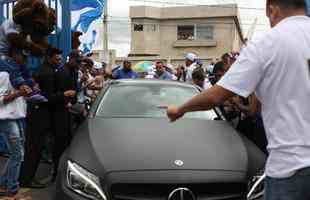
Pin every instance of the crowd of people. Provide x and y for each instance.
(58, 96)
(48, 110)
(23, 35)
(40, 112)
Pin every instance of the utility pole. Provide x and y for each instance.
(65, 36)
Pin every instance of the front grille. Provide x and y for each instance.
(210, 191)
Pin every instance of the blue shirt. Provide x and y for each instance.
(19, 74)
(165, 76)
(122, 74)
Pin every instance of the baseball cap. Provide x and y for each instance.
(190, 56)
(97, 65)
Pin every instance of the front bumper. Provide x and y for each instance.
(64, 193)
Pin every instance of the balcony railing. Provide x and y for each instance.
(195, 43)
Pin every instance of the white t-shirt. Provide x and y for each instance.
(16, 109)
(207, 84)
(189, 72)
(7, 27)
(209, 68)
(276, 67)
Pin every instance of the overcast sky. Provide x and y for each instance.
(119, 25)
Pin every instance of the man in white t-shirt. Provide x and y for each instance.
(276, 67)
(190, 63)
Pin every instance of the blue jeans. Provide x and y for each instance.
(12, 132)
(296, 187)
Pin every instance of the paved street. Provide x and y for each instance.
(44, 194)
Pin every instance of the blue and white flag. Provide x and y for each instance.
(86, 16)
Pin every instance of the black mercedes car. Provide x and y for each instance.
(128, 150)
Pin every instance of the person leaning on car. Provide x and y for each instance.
(271, 67)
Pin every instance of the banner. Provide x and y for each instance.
(86, 17)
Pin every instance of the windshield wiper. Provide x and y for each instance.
(162, 107)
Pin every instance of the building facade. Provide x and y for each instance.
(169, 33)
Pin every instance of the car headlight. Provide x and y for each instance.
(256, 186)
(83, 182)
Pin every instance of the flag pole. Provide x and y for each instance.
(105, 29)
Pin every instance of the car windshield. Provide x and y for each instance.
(147, 101)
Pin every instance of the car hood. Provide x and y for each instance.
(155, 144)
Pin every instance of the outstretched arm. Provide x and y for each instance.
(204, 101)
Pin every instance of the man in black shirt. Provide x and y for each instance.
(66, 80)
(45, 117)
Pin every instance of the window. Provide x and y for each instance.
(138, 27)
(147, 101)
(151, 28)
(186, 32)
(204, 32)
(196, 32)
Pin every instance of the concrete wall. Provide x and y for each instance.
(163, 41)
(223, 38)
(100, 56)
(148, 40)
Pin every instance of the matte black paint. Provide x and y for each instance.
(120, 150)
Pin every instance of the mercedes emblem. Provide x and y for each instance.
(179, 163)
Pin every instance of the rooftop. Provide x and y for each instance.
(184, 12)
